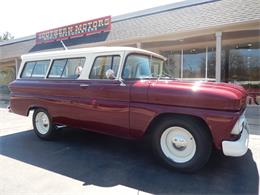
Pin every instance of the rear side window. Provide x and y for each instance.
(67, 68)
(36, 69)
(28, 68)
(57, 68)
(102, 64)
(40, 69)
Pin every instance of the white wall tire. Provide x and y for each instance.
(42, 124)
(182, 143)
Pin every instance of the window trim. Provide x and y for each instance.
(35, 62)
(60, 78)
(64, 67)
(112, 55)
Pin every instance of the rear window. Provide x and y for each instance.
(35, 69)
(67, 68)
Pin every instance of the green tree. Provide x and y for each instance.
(6, 36)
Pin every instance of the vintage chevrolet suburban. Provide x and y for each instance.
(130, 93)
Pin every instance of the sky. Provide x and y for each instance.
(26, 17)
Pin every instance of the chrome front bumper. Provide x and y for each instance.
(238, 147)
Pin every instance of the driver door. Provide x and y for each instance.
(108, 111)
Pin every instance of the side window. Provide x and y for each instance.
(57, 68)
(137, 66)
(66, 68)
(37, 69)
(27, 70)
(156, 67)
(103, 64)
(73, 68)
(40, 69)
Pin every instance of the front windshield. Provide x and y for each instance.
(139, 66)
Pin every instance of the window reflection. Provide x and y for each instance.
(244, 62)
(239, 63)
(211, 69)
(194, 63)
(173, 64)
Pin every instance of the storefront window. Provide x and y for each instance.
(242, 65)
(7, 74)
(244, 62)
(194, 63)
(173, 64)
(239, 63)
(211, 65)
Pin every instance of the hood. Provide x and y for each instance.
(208, 95)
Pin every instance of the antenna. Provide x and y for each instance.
(65, 48)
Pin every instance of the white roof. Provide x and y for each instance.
(84, 51)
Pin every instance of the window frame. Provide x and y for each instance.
(35, 62)
(65, 78)
(112, 55)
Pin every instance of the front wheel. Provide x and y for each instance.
(182, 143)
(42, 124)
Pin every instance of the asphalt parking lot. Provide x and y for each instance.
(79, 162)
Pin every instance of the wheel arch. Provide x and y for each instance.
(162, 116)
(34, 107)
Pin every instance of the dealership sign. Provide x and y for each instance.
(75, 30)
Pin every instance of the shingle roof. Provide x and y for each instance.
(211, 14)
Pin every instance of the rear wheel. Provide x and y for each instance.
(182, 143)
(42, 124)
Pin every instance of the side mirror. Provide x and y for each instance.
(122, 82)
(110, 74)
(78, 70)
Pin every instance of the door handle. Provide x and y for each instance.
(84, 85)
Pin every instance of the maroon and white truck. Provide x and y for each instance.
(130, 93)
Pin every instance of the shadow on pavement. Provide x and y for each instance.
(107, 161)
